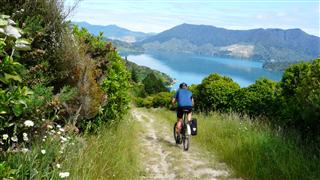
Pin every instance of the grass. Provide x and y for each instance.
(110, 154)
(252, 149)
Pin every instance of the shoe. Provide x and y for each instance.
(178, 139)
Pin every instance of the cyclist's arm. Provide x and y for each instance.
(192, 101)
(173, 101)
(174, 98)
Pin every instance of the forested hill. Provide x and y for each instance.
(269, 45)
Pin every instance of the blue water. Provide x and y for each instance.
(193, 68)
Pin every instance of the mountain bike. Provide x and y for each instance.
(185, 132)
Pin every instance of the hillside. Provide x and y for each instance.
(114, 32)
(143, 71)
(268, 45)
(125, 48)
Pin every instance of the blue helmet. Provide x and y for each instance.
(182, 85)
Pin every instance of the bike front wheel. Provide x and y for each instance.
(186, 142)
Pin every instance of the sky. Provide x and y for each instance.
(159, 15)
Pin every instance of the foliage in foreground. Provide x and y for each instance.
(52, 74)
(109, 154)
(43, 158)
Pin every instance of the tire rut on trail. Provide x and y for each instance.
(163, 159)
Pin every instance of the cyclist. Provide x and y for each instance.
(185, 102)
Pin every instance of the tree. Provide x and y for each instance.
(153, 85)
(134, 75)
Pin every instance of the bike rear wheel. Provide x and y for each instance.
(185, 139)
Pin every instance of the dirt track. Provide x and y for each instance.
(163, 159)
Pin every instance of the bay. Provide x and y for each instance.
(192, 68)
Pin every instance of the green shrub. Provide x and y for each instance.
(162, 99)
(258, 99)
(214, 93)
(116, 85)
(300, 98)
(137, 90)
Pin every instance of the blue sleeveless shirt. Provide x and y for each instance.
(183, 97)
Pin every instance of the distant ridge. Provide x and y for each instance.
(268, 45)
(115, 32)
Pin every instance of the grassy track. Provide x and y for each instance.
(251, 149)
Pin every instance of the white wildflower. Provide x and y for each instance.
(49, 126)
(24, 150)
(43, 140)
(63, 139)
(53, 131)
(25, 138)
(24, 134)
(64, 174)
(11, 22)
(43, 119)
(58, 166)
(43, 151)
(14, 139)
(61, 129)
(12, 32)
(59, 132)
(58, 126)
(5, 136)
(29, 123)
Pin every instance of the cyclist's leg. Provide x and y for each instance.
(179, 125)
(189, 117)
(179, 120)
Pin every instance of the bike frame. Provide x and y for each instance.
(185, 135)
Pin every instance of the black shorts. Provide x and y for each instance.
(182, 109)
